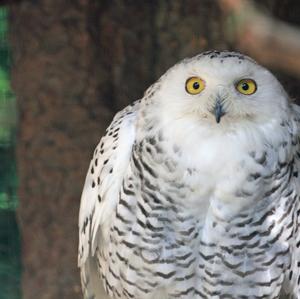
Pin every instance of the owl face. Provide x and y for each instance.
(221, 88)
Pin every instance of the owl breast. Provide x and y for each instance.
(174, 234)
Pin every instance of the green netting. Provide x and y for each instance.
(10, 266)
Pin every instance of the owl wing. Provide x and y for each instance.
(292, 280)
(100, 193)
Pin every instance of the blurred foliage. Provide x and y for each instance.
(7, 99)
(8, 178)
(10, 265)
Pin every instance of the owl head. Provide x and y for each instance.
(221, 88)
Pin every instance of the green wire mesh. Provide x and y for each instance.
(10, 266)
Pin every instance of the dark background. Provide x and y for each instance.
(75, 64)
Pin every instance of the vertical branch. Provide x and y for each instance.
(268, 40)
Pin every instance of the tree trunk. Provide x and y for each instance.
(75, 64)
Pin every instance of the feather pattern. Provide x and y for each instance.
(100, 192)
(177, 206)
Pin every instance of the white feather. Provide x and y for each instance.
(98, 213)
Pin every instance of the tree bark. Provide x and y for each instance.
(75, 64)
(61, 118)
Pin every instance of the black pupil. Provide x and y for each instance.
(196, 85)
(245, 86)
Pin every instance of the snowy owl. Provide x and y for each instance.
(194, 191)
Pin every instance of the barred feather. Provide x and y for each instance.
(178, 206)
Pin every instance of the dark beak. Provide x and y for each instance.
(218, 110)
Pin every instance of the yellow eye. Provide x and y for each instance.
(246, 86)
(194, 85)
